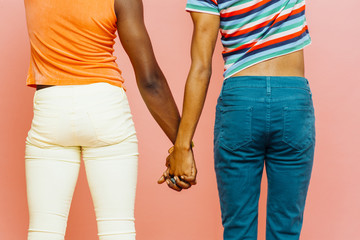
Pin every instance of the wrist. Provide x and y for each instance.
(184, 145)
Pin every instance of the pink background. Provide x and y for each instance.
(332, 61)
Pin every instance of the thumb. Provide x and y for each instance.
(189, 179)
(161, 180)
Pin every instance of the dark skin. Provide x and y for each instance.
(151, 82)
(150, 79)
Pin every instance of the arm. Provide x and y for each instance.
(149, 77)
(206, 27)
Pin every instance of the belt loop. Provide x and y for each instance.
(34, 98)
(222, 88)
(268, 86)
(308, 85)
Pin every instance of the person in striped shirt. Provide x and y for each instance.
(264, 114)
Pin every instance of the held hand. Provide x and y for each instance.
(181, 162)
(181, 169)
(171, 181)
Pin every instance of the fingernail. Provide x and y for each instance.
(167, 181)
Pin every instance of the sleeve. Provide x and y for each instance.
(204, 6)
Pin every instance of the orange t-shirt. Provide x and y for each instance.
(72, 42)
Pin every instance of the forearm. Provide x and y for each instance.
(194, 99)
(151, 81)
(181, 161)
(202, 47)
(161, 104)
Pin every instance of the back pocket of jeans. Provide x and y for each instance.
(299, 127)
(235, 125)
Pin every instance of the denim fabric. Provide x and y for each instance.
(269, 121)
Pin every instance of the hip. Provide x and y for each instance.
(81, 115)
(266, 109)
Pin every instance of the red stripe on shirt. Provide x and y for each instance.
(282, 39)
(245, 10)
(275, 19)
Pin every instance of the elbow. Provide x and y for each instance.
(202, 71)
(152, 82)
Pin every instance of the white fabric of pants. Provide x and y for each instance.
(91, 122)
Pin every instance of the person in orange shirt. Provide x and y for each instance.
(81, 110)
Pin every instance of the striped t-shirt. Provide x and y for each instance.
(256, 30)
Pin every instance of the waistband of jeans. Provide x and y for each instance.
(86, 89)
(267, 81)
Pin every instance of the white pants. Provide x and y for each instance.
(89, 121)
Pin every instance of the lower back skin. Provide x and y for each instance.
(291, 64)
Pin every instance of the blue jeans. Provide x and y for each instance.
(264, 120)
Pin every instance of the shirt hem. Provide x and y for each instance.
(33, 83)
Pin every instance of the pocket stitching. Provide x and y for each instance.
(285, 126)
(225, 109)
(96, 130)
